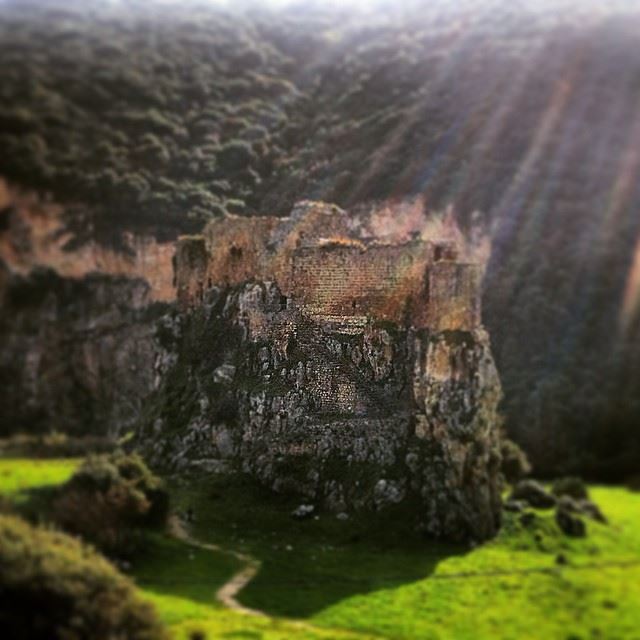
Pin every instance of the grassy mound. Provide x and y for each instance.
(52, 586)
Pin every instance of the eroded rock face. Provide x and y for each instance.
(76, 355)
(351, 416)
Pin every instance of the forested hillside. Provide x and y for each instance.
(152, 118)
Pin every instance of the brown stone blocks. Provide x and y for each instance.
(317, 263)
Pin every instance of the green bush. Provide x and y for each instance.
(54, 587)
(515, 464)
(110, 500)
(570, 486)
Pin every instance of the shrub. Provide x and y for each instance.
(235, 155)
(533, 493)
(110, 499)
(570, 486)
(515, 464)
(54, 587)
(6, 506)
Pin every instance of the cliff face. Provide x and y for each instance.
(33, 234)
(347, 412)
(76, 355)
(77, 327)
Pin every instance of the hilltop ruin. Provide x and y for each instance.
(329, 271)
(345, 369)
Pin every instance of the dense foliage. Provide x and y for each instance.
(109, 501)
(54, 587)
(515, 465)
(523, 117)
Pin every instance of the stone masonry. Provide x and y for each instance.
(353, 373)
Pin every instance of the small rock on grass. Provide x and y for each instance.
(515, 506)
(527, 519)
(582, 507)
(571, 486)
(303, 512)
(592, 510)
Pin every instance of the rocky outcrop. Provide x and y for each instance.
(77, 322)
(76, 355)
(350, 414)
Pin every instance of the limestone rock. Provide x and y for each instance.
(303, 512)
(80, 355)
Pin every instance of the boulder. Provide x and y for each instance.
(303, 512)
(581, 507)
(570, 523)
(534, 494)
(591, 509)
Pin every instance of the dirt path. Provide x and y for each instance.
(227, 593)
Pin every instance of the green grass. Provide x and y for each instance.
(180, 579)
(387, 581)
(513, 587)
(184, 578)
(306, 565)
(20, 476)
(360, 579)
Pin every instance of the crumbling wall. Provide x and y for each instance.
(313, 259)
(190, 270)
(453, 297)
(381, 281)
(240, 249)
(311, 222)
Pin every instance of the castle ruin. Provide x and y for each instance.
(327, 271)
(349, 370)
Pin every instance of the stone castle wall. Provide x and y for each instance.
(453, 299)
(315, 263)
(383, 281)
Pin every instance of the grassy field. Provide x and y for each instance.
(361, 579)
